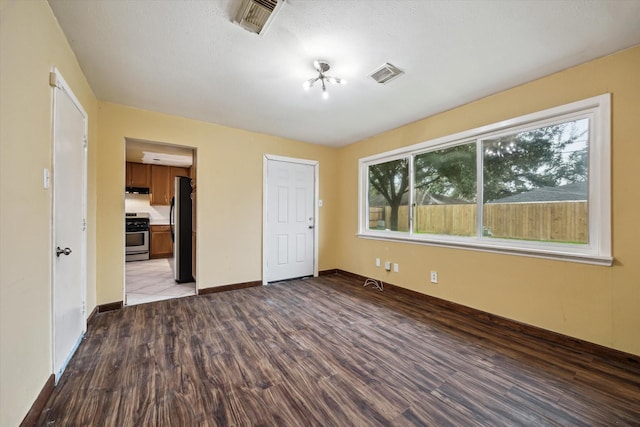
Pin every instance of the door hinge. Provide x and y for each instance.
(84, 225)
(85, 143)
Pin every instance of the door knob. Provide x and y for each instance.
(311, 226)
(65, 251)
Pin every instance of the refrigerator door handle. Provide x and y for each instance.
(173, 202)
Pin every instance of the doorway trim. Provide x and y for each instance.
(57, 82)
(265, 193)
(163, 148)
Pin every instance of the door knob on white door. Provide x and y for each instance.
(65, 251)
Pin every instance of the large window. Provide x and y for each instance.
(537, 185)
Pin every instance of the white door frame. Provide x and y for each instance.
(194, 165)
(316, 193)
(58, 83)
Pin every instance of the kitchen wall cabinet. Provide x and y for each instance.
(138, 175)
(162, 178)
(160, 188)
(161, 244)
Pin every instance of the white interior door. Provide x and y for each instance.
(290, 219)
(69, 240)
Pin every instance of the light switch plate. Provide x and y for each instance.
(45, 178)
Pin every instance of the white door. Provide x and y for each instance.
(69, 241)
(290, 219)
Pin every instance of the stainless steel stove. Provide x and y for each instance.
(136, 236)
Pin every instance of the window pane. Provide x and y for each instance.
(445, 191)
(536, 184)
(388, 196)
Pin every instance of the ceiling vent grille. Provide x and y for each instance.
(256, 15)
(386, 73)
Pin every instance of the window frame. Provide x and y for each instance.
(366, 191)
(596, 251)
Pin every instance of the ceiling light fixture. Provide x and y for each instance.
(322, 67)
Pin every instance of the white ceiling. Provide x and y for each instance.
(188, 58)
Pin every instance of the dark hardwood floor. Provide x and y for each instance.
(328, 352)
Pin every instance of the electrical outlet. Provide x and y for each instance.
(434, 277)
(396, 268)
(377, 262)
(387, 265)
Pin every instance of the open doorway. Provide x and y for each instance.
(160, 221)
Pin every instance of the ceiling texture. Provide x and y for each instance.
(191, 59)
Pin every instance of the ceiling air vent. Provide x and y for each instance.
(386, 73)
(256, 15)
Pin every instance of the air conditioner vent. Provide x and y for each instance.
(386, 73)
(256, 15)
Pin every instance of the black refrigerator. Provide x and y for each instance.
(180, 216)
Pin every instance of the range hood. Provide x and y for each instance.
(136, 190)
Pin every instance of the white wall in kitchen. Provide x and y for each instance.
(140, 203)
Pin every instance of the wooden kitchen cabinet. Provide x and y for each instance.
(162, 178)
(161, 244)
(138, 175)
(160, 188)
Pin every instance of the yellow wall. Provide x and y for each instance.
(229, 194)
(597, 304)
(31, 43)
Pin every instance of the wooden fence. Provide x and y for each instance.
(543, 221)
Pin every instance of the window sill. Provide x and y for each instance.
(495, 247)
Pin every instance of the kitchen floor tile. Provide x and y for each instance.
(152, 280)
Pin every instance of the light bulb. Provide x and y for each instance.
(306, 85)
(325, 94)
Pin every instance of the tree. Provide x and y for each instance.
(533, 159)
(543, 157)
(391, 181)
(449, 172)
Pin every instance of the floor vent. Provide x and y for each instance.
(386, 73)
(256, 15)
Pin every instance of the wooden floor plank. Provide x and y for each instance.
(329, 352)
